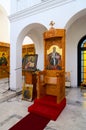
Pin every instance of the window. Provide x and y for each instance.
(82, 60)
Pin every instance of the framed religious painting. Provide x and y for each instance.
(29, 62)
(27, 92)
(54, 54)
(54, 49)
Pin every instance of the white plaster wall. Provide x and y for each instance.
(6, 5)
(4, 21)
(18, 5)
(4, 28)
(61, 14)
(74, 34)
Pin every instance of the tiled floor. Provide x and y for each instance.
(73, 117)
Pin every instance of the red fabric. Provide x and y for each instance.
(47, 107)
(41, 112)
(31, 122)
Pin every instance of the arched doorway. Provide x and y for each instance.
(35, 32)
(82, 60)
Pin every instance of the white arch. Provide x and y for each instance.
(76, 16)
(75, 29)
(35, 32)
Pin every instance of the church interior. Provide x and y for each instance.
(43, 65)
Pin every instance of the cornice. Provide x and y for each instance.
(38, 8)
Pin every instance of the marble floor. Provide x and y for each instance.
(73, 117)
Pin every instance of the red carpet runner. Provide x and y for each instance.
(41, 112)
(31, 122)
(47, 107)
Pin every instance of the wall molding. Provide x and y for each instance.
(38, 8)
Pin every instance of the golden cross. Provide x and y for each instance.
(52, 24)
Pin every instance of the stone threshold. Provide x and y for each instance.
(8, 95)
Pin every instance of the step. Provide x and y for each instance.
(46, 110)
